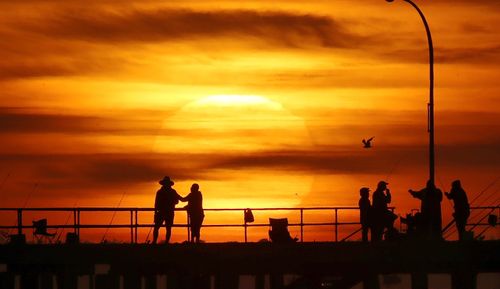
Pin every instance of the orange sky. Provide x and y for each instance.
(263, 104)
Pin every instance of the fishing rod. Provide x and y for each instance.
(485, 189)
(113, 217)
(484, 201)
(27, 200)
(65, 223)
(482, 219)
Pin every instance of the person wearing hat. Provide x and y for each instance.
(381, 197)
(364, 212)
(165, 201)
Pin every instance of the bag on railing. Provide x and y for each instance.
(249, 216)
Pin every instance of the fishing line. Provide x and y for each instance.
(113, 217)
(485, 189)
(65, 223)
(27, 200)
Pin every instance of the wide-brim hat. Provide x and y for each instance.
(166, 181)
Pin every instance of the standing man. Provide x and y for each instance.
(461, 206)
(364, 212)
(381, 197)
(165, 201)
(430, 208)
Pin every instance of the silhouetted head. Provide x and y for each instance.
(364, 192)
(382, 185)
(166, 181)
(456, 184)
(430, 184)
(195, 188)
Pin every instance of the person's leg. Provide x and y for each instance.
(168, 234)
(364, 233)
(196, 233)
(158, 222)
(155, 234)
(460, 222)
(169, 222)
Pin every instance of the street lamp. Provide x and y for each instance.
(430, 105)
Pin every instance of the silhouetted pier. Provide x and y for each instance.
(343, 264)
(219, 265)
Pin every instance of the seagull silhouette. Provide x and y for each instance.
(368, 143)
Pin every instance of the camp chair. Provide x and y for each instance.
(279, 231)
(40, 233)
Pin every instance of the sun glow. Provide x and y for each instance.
(238, 100)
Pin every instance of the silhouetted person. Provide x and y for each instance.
(195, 212)
(461, 206)
(165, 201)
(430, 208)
(364, 212)
(380, 213)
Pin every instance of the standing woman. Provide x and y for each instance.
(195, 212)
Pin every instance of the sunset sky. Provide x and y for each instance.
(263, 103)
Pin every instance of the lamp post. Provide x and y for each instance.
(430, 105)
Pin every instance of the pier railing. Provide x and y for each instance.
(332, 222)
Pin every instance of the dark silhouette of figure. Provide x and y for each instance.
(195, 211)
(165, 201)
(430, 209)
(461, 206)
(367, 143)
(380, 212)
(364, 212)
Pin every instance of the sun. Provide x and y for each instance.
(236, 137)
(232, 123)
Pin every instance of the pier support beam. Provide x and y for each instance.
(464, 280)
(371, 282)
(7, 280)
(109, 281)
(419, 280)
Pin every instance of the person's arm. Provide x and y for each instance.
(416, 194)
(388, 197)
(450, 195)
(184, 199)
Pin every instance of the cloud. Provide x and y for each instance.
(23, 121)
(277, 28)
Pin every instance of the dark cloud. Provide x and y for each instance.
(106, 171)
(23, 121)
(282, 28)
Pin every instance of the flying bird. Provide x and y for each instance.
(367, 143)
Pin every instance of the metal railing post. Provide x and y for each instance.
(19, 221)
(131, 226)
(136, 225)
(245, 226)
(336, 224)
(301, 224)
(188, 231)
(75, 221)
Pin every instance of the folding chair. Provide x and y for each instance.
(40, 233)
(279, 231)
